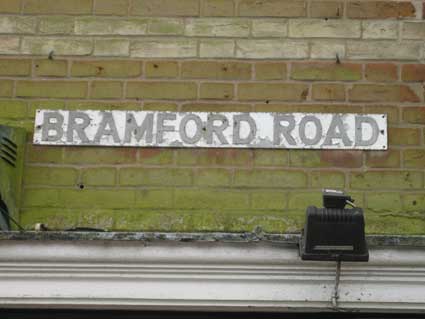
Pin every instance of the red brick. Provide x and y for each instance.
(381, 72)
(380, 9)
(413, 72)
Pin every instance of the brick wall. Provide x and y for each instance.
(216, 55)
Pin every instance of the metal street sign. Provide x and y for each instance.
(202, 129)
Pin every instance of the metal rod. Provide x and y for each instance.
(335, 295)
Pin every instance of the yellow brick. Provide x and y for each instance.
(162, 90)
(10, 6)
(218, 8)
(216, 70)
(272, 91)
(270, 71)
(220, 91)
(111, 7)
(161, 69)
(106, 68)
(56, 89)
(17, 67)
(51, 67)
(165, 7)
(58, 6)
(6, 88)
(106, 90)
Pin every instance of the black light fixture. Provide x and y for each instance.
(334, 232)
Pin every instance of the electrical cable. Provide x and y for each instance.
(7, 216)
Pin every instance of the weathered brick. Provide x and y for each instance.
(380, 9)
(111, 7)
(216, 70)
(327, 179)
(59, 46)
(97, 198)
(217, 27)
(106, 68)
(326, 9)
(10, 6)
(17, 24)
(9, 44)
(383, 159)
(391, 111)
(377, 201)
(98, 176)
(328, 92)
(12, 109)
(56, 89)
(383, 93)
(326, 71)
(44, 104)
(6, 88)
(404, 136)
(322, 28)
(160, 106)
(270, 178)
(155, 177)
(379, 29)
(381, 72)
(221, 91)
(215, 157)
(270, 157)
(414, 158)
(301, 199)
(102, 106)
(272, 91)
(98, 156)
(216, 48)
(378, 50)
(414, 30)
(165, 7)
(327, 49)
(111, 47)
(164, 48)
(41, 197)
(166, 26)
(414, 115)
(213, 177)
(268, 200)
(43, 154)
(161, 69)
(50, 176)
(162, 90)
(58, 6)
(271, 49)
(156, 156)
(413, 72)
(272, 8)
(106, 90)
(413, 202)
(325, 158)
(56, 25)
(270, 71)
(386, 180)
(270, 28)
(110, 26)
(58, 68)
(211, 199)
(15, 67)
(154, 198)
(214, 107)
(218, 8)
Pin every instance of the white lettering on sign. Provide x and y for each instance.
(201, 129)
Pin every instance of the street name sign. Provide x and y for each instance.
(211, 129)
